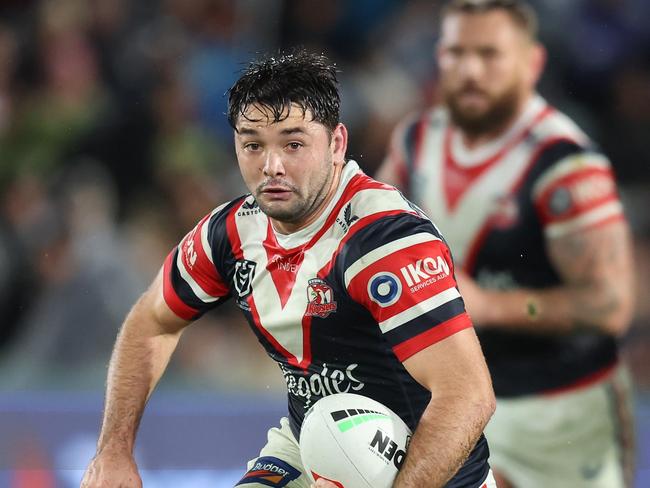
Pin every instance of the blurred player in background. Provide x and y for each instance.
(530, 208)
(321, 259)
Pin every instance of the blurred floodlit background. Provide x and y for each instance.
(113, 143)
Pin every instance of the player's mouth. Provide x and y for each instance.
(276, 192)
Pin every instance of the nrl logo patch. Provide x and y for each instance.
(321, 298)
(243, 280)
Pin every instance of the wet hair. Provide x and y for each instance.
(520, 11)
(274, 83)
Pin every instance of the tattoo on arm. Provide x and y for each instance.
(595, 265)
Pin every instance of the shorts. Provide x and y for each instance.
(279, 464)
(580, 438)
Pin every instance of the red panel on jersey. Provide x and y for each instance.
(198, 265)
(575, 194)
(420, 270)
(436, 334)
(172, 299)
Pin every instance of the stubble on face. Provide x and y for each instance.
(303, 203)
(501, 109)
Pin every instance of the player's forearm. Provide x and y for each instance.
(444, 438)
(140, 356)
(604, 306)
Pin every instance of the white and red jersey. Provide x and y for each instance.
(338, 305)
(497, 205)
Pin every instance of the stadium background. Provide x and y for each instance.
(113, 143)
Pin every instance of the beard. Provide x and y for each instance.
(501, 110)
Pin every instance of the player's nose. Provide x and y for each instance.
(273, 164)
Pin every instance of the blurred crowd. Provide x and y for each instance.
(113, 143)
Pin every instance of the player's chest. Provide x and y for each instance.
(466, 201)
(283, 289)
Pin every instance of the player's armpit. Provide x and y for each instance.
(596, 268)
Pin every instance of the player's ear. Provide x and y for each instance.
(339, 143)
(537, 61)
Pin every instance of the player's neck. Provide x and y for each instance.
(291, 227)
(474, 140)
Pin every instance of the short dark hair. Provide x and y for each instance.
(276, 82)
(519, 10)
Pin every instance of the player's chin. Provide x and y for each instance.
(283, 211)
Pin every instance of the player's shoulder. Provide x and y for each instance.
(383, 212)
(554, 127)
(243, 203)
(428, 119)
(217, 218)
(370, 198)
(558, 141)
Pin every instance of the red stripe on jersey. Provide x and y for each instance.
(233, 234)
(198, 265)
(399, 263)
(359, 182)
(585, 381)
(458, 179)
(283, 264)
(479, 239)
(584, 190)
(429, 337)
(172, 299)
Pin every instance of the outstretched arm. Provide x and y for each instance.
(144, 345)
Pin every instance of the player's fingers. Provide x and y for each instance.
(321, 483)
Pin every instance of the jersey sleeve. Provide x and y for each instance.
(407, 283)
(191, 283)
(576, 193)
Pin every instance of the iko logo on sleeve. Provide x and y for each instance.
(424, 272)
(384, 288)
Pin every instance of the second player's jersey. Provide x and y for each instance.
(338, 305)
(497, 206)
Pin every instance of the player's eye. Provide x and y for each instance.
(252, 146)
(489, 53)
(294, 146)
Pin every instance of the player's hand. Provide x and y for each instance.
(476, 298)
(111, 469)
(321, 483)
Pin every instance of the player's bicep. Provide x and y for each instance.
(453, 366)
(597, 255)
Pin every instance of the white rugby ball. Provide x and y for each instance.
(354, 441)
